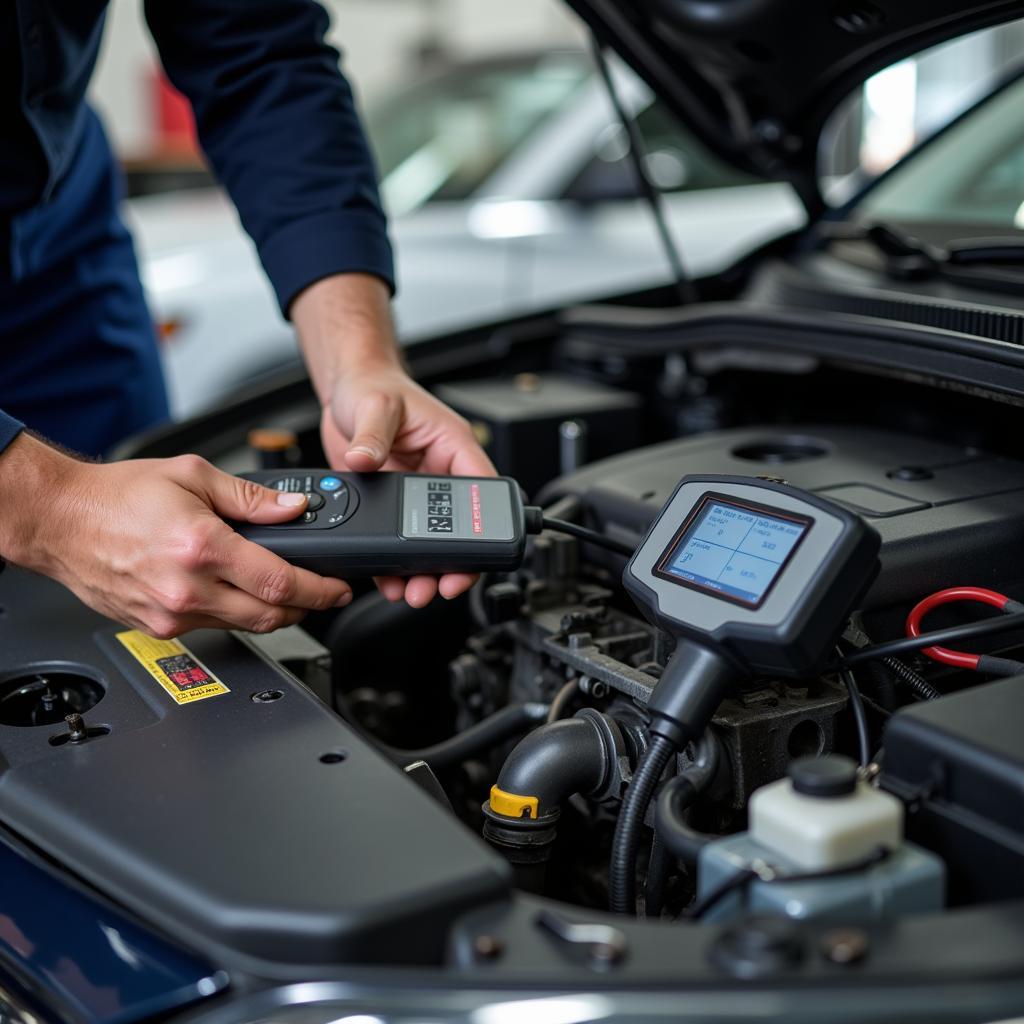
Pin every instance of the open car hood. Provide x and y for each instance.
(757, 79)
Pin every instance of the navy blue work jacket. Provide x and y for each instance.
(275, 117)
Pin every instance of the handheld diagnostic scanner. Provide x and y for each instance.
(754, 578)
(395, 524)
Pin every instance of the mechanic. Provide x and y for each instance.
(143, 542)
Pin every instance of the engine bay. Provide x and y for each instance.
(285, 805)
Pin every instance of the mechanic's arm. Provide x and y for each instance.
(143, 542)
(279, 124)
(374, 414)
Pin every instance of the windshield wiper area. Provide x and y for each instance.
(909, 258)
(985, 250)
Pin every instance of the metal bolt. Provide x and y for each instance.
(605, 954)
(488, 947)
(76, 728)
(845, 945)
(266, 696)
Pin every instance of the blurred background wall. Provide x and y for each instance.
(387, 43)
(383, 42)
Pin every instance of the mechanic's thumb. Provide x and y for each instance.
(245, 501)
(377, 420)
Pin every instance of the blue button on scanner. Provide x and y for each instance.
(330, 483)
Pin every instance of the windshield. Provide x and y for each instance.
(442, 138)
(969, 182)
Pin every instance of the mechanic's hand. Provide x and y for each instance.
(374, 415)
(144, 543)
(381, 419)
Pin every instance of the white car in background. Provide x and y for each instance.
(511, 191)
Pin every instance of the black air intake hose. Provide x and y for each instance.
(573, 755)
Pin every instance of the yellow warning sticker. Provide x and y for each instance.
(182, 675)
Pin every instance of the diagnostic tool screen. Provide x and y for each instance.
(732, 550)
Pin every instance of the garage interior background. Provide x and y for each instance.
(505, 171)
(383, 43)
(387, 43)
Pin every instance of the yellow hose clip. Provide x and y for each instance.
(511, 805)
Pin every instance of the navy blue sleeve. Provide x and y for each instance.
(279, 124)
(10, 428)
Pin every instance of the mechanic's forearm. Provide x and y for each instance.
(34, 482)
(344, 322)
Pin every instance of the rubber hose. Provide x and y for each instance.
(557, 760)
(502, 725)
(683, 842)
(906, 675)
(622, 870)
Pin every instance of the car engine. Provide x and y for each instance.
(327, 795)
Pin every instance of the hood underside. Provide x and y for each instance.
(757, 79)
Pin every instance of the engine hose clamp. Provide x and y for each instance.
(617, 768)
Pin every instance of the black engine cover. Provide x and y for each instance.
(946, 515)
(259, 832)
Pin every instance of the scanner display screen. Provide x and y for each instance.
(731, 550)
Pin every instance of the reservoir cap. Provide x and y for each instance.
(830, 776)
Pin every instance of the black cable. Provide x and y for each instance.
(742, 878)
(905, 674)
(682, 790)
(591, 536)
(860, 716)
(502, 725)
(649, 191)
(622, 870)
(696, 910)
(999, 624)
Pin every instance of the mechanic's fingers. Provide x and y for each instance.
(248, 614)
(272, 580)
(420, 591)
(377, 419)
(471, 460)
(454, 584)
(242, 611)
(392, 587)
(235, 498)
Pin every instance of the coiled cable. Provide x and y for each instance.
(622, 869)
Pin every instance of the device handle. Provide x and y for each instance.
(695, 681)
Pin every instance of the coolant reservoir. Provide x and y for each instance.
(822, 817)
(818, 821)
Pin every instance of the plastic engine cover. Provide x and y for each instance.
(257, 831)
(941, 510)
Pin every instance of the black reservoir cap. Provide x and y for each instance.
(830, 776)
